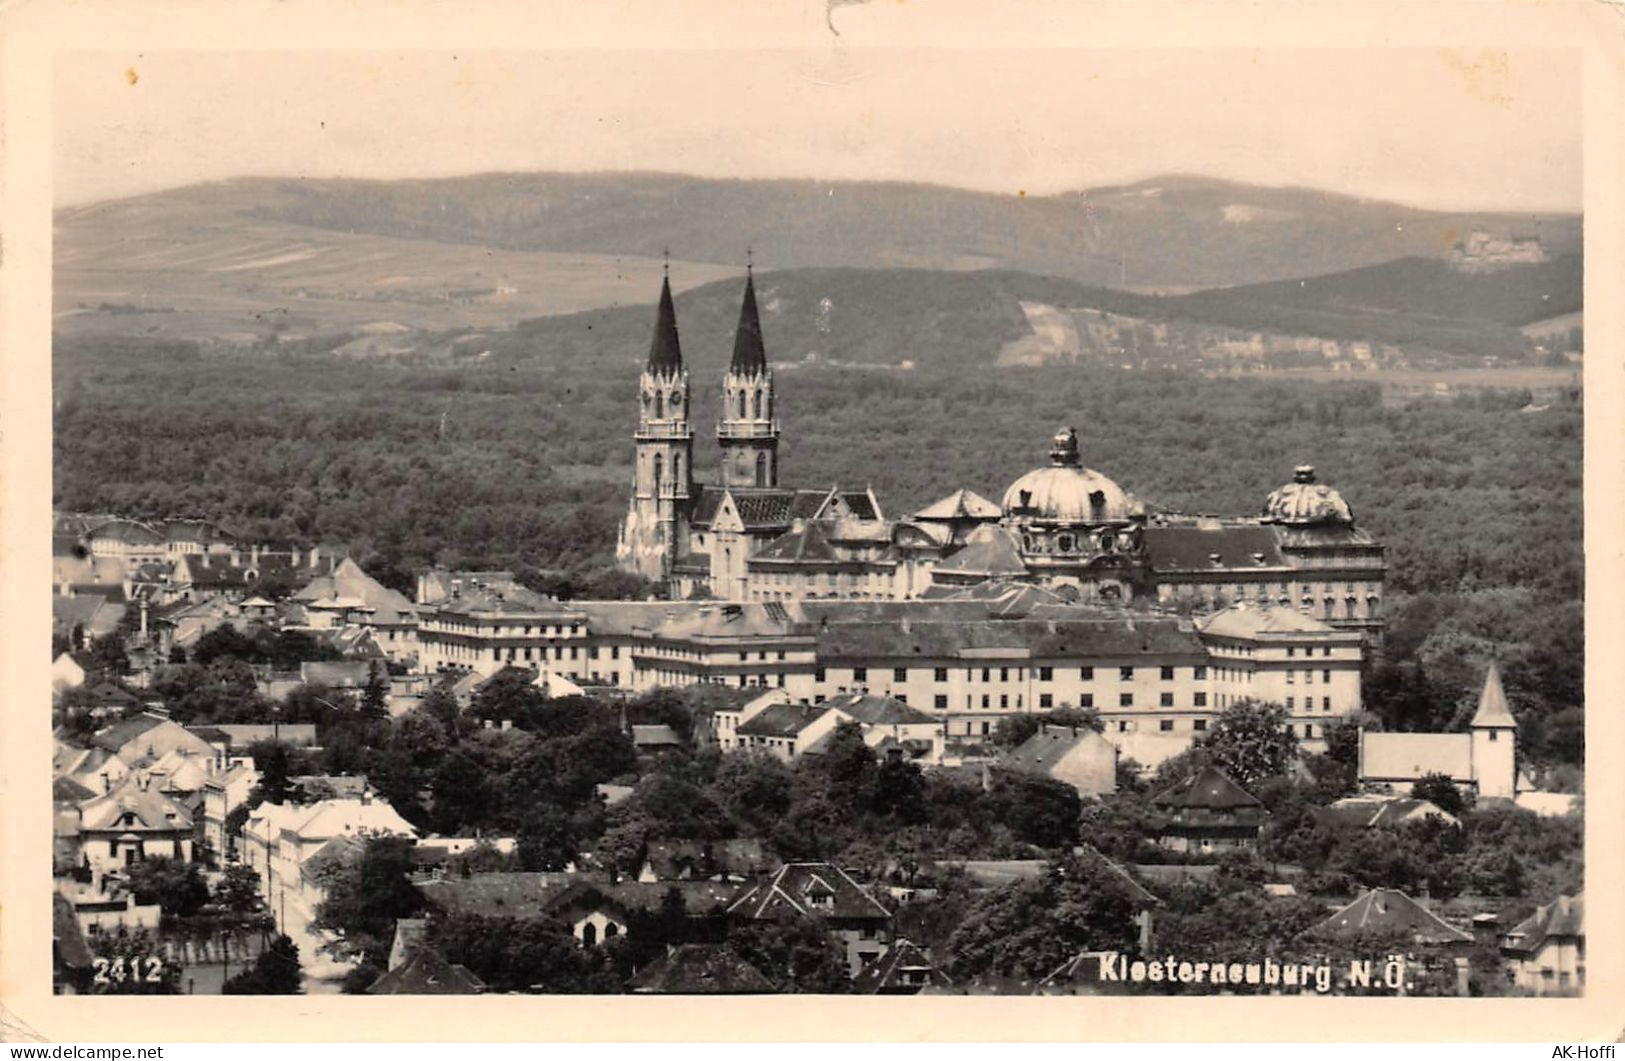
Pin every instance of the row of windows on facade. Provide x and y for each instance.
(445, 627)
(1045, 674)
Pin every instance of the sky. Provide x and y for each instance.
(1425, 127)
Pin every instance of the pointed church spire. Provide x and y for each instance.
(1493, 712)
(665, 354)
(750, 357)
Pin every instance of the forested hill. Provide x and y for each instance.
(965, 319)
(1168, 234)
(1415, 288)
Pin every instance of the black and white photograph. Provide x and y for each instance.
(839, 517)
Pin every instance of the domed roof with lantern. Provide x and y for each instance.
(1067, 492)
(1304, 502)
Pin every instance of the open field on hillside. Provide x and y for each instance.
(176, 271)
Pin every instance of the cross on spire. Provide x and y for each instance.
(749, 258)
(665, 261)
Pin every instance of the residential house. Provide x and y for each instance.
(904, 969)
(1545, 954)
(1073, 755)
(148, 736)
(427, 972)
(1389, 912)
(94, 769)
(223, 792)
(128, 825)
(699, 969)
(827, 893)
(597, 910)
(88, 617)
(1376, 812)
(350, 596)
(1207, 812)
(278, 839)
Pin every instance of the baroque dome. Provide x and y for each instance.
(1304, 501)
(1067, 492)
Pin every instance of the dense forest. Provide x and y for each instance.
(526, 464)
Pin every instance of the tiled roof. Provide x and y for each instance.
(129, 808)
(1388, 910)
(1412, 756)
(760, 509)
(116, 736)
(495, 894)
(349, 582)
(876, 710)
(700, 969)
(1248, 620)
(904, 968)
(1040, 753)
(67, 937)
(813, 889)
(1206, 789)
(1365, 812)
(127, 531)
(960, 505)
(808, 543)
(992, 555)
(92, 611)
(1192, 548)
(1562, 918)
(67, 790)
(705, 500)
(427, 972)
(783, 720)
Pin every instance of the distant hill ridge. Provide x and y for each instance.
(1176, 233)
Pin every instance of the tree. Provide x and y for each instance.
(374, 702)
(1027, 929)
(238, 890)
(1038, 810)
(275, 972)
(1251, 741)
(176, 887)
(529, 954)
(364, 899)
(1441, 792)
(795, 952)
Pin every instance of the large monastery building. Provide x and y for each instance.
(1063, 526)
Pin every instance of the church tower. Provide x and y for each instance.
(663, 475)
(1494, 731)
(747, 432)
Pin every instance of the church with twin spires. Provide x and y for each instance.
(1061, 526)
(698, 537)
